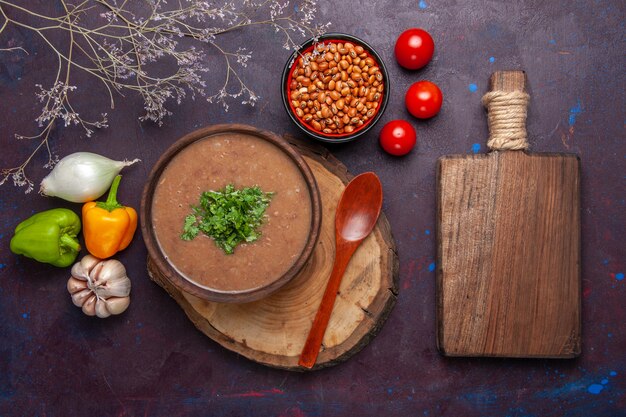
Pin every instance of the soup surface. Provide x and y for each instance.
(244, 161)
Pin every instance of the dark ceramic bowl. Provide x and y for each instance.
(160, 266)
(287, 77)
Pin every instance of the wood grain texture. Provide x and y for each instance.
(356, 216)
(508, 279)
(272, 331)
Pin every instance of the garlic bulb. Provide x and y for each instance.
(82, 177)
(100, 287)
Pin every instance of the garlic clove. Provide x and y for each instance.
(119, 287)
(89, 308)
(74, 285)
(117, 305)
(101, 309)
(82, 269)
(110, 280)
(94, 274)
(79, 272)
(110, 269)
(89, 261)
(81, 297)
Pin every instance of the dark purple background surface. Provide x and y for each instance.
(55, 361)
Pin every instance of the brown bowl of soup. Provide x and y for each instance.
(211, 159)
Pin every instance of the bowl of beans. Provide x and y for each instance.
(335, 88)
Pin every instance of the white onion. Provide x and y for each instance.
(82, 177)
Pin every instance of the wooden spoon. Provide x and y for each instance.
(356, 216)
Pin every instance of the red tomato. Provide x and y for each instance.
(414, 48)
(398, 137)
(423, 99)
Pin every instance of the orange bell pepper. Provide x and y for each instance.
(108, 227)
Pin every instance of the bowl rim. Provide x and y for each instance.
(169, 272)
(292, 60)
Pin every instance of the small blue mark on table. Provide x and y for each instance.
(574, 112)
(595, 388)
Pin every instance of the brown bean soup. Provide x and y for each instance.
(244, 161)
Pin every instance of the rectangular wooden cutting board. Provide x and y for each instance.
(508, 280)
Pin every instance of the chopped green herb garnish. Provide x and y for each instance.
(228, 216)
(190, 229)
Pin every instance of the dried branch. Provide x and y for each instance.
(121, 43)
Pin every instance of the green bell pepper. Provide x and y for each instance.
(49, 237)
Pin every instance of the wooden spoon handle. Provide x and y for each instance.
(320, 323)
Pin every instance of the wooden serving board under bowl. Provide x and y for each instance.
(272, 331)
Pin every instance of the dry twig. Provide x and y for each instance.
(128, 41)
